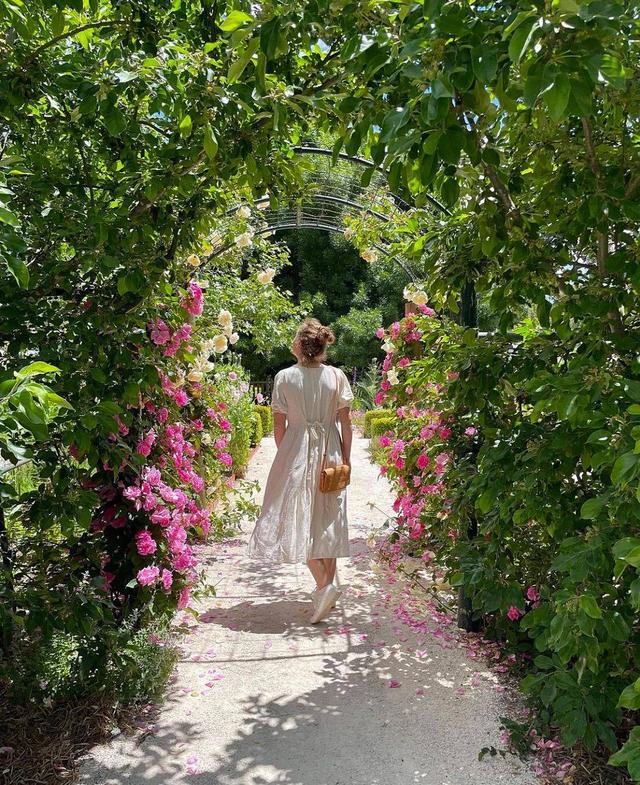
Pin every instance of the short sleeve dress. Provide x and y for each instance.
(297, 521)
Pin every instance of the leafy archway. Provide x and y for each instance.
(126, 127)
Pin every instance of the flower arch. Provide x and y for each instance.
(339, 193)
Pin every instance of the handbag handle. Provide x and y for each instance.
(335, 401)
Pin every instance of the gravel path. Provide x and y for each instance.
(264, 697)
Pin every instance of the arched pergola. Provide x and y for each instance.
(336, 187)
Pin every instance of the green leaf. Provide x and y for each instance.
(114, 120)
(592, 507)
(210, 142)
(485, 64)
(624, 468)
(186, 126)
(629, 754)
(35, 369)
(630, 697)
(557, 97)
(234, 20)
(450, 191)
(7, 217)
(589, 605)
(521, 40)
(237, 68)
(19, 270)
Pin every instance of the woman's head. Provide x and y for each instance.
(311, 341)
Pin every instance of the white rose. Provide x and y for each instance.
(244, 240)
(370, 255)
(233, 338)
(407, 294)
(349, 233)
(388, 346)
(227, 329)
(225, 318)
(193, 260)
(392, 376)
(220, 343)
(243, 212)
(419, 298)
(266, 276)
(264, 205)
(203, 284)
(195, 376)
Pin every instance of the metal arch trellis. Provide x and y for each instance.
(332, 192)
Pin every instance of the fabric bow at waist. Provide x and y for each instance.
(317, 429)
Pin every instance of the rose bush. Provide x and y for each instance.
(515, 464)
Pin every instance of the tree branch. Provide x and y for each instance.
(632, 186)
(503, 194)
(70, 34)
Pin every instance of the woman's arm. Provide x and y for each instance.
(279, 426)
(344, 416)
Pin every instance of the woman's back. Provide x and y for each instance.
(309, 393)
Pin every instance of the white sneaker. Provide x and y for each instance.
(313, 594)
(322, 602)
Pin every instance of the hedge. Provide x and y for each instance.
(374, 414)
(267, 418)
(380, 425)
(256, 436)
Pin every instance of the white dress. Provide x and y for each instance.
(297, 521)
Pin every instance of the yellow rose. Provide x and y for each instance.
(370, 255)
(220, 343)
(419, 298)
(244, 240)
(266, 276)
(225, 319)
(193, 260)
(243, 212)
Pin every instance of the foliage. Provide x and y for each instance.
(257, 434)
(371, 415)
(530, 443)
(380, 425)
(266, 415)
(366, 386)
(231, 381)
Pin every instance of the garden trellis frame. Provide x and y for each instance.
(332, 192)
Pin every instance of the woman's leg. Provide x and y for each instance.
(330, 569)
(319, 572)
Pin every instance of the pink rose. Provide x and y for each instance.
(181, 398)
(513, 613)
(471, 431)
(183, 599)
(533, 594)
(145, 543)
(423, 461)
(167, 579)
(380, 333)
(148, 575)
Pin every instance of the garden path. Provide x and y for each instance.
(261, 696)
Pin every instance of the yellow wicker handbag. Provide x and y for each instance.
(334, 478)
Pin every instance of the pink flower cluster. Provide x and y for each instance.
(161, 335)
(193, 302)
(174, 513)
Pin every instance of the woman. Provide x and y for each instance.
(298, 522)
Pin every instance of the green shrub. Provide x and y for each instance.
(267, 418)
(371, 415)
(257, 434)
(379, 425)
